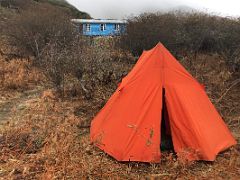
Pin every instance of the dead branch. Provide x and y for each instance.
(228, 89)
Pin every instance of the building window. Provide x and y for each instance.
(117, 27)
(88, 27)
(102, 27)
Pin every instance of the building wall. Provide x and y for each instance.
(95, 29)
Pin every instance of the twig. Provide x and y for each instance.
(36, 44)
(83, 127)
(224, 94)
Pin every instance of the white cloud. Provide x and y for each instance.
(124, 8)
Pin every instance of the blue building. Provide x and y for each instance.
(100, 27)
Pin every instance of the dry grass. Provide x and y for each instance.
(50, 140)
(18, 74)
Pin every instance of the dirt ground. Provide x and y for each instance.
(11, 107)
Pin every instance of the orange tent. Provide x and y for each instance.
(129, 126)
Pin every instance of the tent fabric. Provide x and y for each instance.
(129, 126)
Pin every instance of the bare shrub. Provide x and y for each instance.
(146, 30)
(184, 33)
(32, 29)
(101, 67)
(53, 63)
(46, 36)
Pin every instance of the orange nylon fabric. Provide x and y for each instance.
(128, 126)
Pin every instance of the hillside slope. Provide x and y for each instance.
(75, 12)
(23, 4)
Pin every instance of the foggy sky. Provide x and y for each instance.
(119, 9)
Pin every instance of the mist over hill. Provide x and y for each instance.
(125, 8)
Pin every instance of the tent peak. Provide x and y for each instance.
(159, 46)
